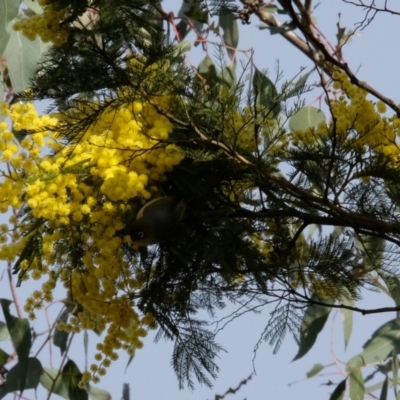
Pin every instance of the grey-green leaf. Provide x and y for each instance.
(338, 393)
(384, 391)
(96, 393)
(71, 377)
(266, 93)
(19, 330)
(307, 117)
(347, 316)
(315, 370)
(60, 338)
(395, 370)
(357, 389)
(231, 33)
(3, 357)
(379, 347)
(22, 57)
(4, 335)
(393, 284)
(125, 392)
(314, 320)
(57, 386)
(8, 11)
(22, 376)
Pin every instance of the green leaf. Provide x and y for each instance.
(395, 370)
(356, 384)
(4, 335)
(393, 284)
(384, 391)
(379, 347)
(22, 57)
(182, 47)
(97, 394)
(3, 357)
(228, 76)
(2, 117)
(314, 320)
(22, 376)
(207, 70)
(183, 29)
(347, 316)
(19, 331)
(60, 338)
(8, 11)
(59, 387)
(338, 393)
(71, 377)
(305, 118)
(314, 370)
(266, 93)
(191, 9)
(125, 392)
(231, 33)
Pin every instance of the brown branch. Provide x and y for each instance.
(307, 300)
(318, 47)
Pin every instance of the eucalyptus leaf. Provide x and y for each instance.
(379, 347)
(96, 393)
(356, 383)
(60, 337)
(3, 357)
(314, 320)
(4, 334)
(19, 331)
(231, 33)
(307, 117)
(22, 376)
(8, 11)
(384, 391)
(266, 94)
(338, 393)
(57, 386)
(315, 370)
(22, 57)
(347, 317)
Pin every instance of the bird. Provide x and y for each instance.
(156, 220)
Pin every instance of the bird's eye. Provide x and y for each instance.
(140, 235)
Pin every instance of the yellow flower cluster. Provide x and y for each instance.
(360, 122)
(76, 202)
(46, 25)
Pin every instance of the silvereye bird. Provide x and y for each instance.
(156, 220)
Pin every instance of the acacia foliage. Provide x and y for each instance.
(130, 121)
